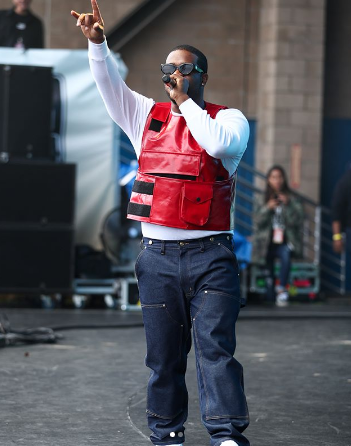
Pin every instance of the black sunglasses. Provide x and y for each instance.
(184, 68)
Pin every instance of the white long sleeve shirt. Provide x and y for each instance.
(224, 137)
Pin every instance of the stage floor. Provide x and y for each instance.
(90, 387)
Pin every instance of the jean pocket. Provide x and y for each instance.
(164, 308)
(138, 260)
(230, 252)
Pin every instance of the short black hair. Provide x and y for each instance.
(201, 58)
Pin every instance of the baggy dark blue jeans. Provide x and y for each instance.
(183, 285)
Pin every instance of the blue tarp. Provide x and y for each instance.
(242, 249)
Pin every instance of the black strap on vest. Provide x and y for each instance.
(174, 175)
(142, 187)
(138, 209)
(141, 210)
(155, 125)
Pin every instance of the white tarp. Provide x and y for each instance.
(88, 136)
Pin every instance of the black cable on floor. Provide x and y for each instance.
(89, 327)
(43, 335)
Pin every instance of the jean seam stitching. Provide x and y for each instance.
(180, 344)
(159, 416)
(138, 259)
(201, 362)
(201, 307)
(242, 382)
(232, 254)
(218, 417)
(163, 305)
(231, 296)
(171, 318)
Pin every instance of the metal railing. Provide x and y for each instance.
(333, 266)
(316, 230)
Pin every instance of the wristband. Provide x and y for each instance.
(337, 237)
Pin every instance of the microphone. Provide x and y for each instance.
(167, 80)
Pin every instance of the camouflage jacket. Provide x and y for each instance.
(263, 217)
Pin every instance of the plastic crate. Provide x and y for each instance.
(303, 279)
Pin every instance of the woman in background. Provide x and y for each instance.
(278, 219)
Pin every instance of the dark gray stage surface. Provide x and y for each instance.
(89, 388)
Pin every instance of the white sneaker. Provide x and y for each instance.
(229, 443)
(282, 300)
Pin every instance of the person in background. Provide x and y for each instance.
(278, 220)
(341, 214)
(20, 28)
(188, 152)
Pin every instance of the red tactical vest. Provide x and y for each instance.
(178, 184)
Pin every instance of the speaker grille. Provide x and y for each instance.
(36, 227)
(25, 111)
(35, 192)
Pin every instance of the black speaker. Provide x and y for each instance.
(37, 192)
(36, 260)
(37, 227)
(25, 112)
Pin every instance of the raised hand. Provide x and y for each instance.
(91, 24)
(272, 204)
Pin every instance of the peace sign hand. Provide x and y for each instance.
(92, 25)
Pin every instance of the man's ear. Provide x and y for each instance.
(204, 79)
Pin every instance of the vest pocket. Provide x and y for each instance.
(196, 203)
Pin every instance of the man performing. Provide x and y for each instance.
(188, 152)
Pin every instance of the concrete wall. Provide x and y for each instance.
(291, 71)
(225, 30)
